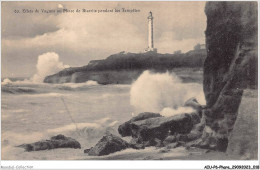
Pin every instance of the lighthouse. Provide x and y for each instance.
(150, 33)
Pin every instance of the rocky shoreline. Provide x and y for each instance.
(151, 129)
(146, 129)
(229, 68)
(187, 145)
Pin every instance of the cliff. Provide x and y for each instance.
(123, 68)
(230, 67)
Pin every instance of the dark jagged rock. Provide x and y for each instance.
(195, 118)
(154, 142)
(138, 146)
(230, 66)
(193, 135)
(199, 127)
(169, 139)
(125, 130)
(161, 127)
(108, 144)
(151, 129)
(87, 150)
(192, 102)
(59, 141)
(135, 145)
(173, 145)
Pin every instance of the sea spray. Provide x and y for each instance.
(153, 92)
(6, 81)
(47, 64)
(167, 111)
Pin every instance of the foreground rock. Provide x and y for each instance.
(230, 66)
(186, 140)
(161, 127)
(151, 129)
(59, 141)
(108, 144)
(170, 139)
(125, 128)
(147, 129)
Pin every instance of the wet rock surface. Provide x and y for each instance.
(148, 129)
(125, 128)
(169, 139)
(59, 141)
(161, 127)
(108, 144)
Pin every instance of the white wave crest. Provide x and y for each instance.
(48, 63)
(171, 112)
(76, 85)
(89, 130)
(153, 92)
(6, 81)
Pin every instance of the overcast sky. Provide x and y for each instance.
(80, 37)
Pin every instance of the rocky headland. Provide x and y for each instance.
(124, 68)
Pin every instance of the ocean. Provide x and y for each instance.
(84, 111)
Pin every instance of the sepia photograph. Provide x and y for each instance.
(129, 80)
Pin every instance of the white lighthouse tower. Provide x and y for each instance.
(150, 33)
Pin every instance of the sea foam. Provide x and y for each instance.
(47, 64)
(161, 92)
